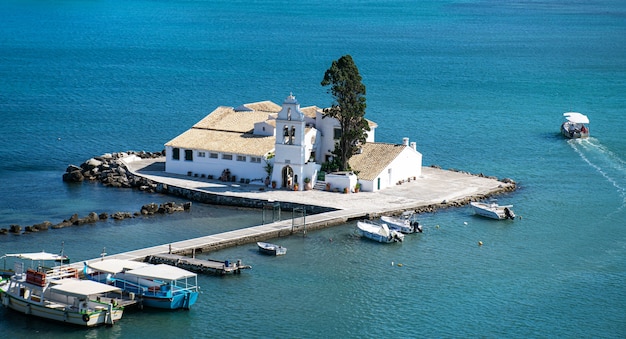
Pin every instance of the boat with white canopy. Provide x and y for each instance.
(158, 286)
(58, 294)
(575, 125)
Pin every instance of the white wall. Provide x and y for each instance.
(209, 166)
(408, 164)
(341, 180)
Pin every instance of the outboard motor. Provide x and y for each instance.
(508, 213)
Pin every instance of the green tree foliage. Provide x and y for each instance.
(348, 107)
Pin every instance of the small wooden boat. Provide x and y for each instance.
(380, 233)
(574, 126)
(58, 294)
(405, 224)
(271, 249)
(493, 210)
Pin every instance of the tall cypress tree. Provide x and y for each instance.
(348, 107)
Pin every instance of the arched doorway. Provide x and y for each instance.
(287, 177)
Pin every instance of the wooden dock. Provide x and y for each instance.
(199, 265)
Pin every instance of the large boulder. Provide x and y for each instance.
(16, 229)
(74, 176)
(43, 226)
(91, 164)
(149, 209)
(121, 215)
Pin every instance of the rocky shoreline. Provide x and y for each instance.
(110, 170)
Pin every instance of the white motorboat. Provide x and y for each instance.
(493, 210)
(158, 286)
(574, 126)
(406, 223)
(271, 249)
(58, 294)
(380, 233)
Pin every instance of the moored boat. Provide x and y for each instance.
(493, 210)
(57, 294)
(157, 286)
(380, 233)
(405, 224)
(271, 249)
(574, 126)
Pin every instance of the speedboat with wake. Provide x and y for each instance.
(574, 126)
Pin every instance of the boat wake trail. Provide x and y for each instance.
(607, 163)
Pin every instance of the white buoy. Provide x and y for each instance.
(465, 223)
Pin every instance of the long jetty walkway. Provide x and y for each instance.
(436, 188)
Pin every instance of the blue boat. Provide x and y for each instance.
(158, 286)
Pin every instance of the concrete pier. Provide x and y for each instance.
(435, 189)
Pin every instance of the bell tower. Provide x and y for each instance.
(289, 145)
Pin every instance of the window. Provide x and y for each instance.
(255, 160)
(287, 137)
(188, 155)
(201, 154)
(337, 133)
(241, 158)
(213, 155)
(176, 153)
(227, 156)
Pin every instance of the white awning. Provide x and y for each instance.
(82, 288)
(162, 272)
(43, 256)
(115, 265)
(577, 118)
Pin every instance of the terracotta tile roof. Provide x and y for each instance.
(227, 119)
(374, 158)
(224, 142)
(310, 111)
(264, 106)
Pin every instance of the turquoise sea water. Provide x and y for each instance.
(479, 85)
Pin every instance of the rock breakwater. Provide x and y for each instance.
(93, 217)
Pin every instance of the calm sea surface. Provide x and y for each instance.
(479, 85)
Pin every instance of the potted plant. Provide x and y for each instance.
(307, 184)
(273, 183)
(357, 188)
(328, 186)
(295, 187)
(345, 190)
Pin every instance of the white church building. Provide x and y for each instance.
(263, 143)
